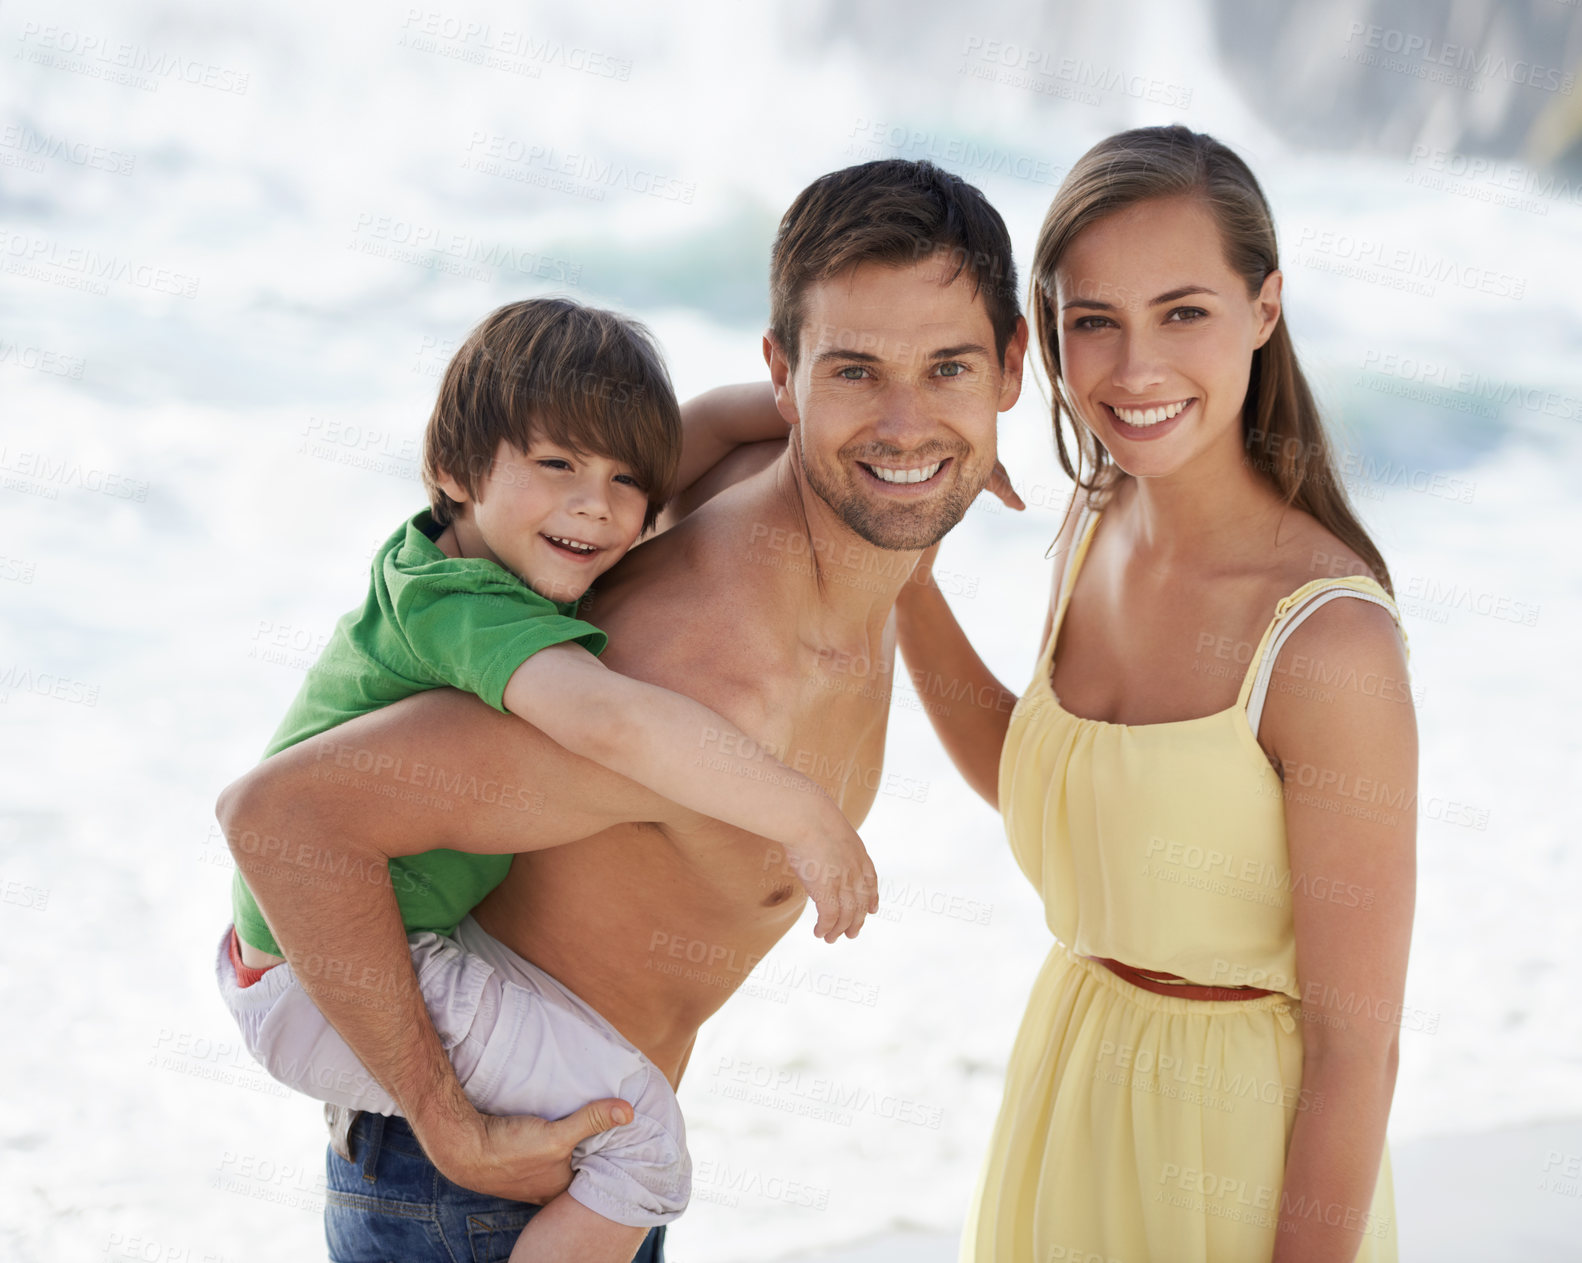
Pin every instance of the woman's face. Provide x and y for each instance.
(1157, 335)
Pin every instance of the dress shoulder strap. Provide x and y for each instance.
(1082, 536)
(1290, 614)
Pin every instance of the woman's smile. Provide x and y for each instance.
(1142, 422)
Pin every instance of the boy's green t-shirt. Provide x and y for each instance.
(430, 621)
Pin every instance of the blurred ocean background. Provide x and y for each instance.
(240, 242)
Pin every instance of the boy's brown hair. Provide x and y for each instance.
(893, 212)
(587, 379)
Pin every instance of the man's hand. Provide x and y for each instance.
(523, 1158)
(999, 484)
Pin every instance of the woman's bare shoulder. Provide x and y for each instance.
(1306, 549)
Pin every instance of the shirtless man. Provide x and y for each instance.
(895, 341)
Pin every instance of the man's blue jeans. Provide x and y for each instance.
(390, 1204)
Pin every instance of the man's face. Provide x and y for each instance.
(894, 398)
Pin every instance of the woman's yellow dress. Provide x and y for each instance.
(1137, 1127)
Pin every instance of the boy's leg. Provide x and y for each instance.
(496, 1033)
(286, 1034)
(566, 1229)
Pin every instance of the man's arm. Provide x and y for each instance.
(314, 826)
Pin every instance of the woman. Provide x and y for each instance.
(1211, 778)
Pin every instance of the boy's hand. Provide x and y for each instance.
(835, 867)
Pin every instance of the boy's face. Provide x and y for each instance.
(554, 518)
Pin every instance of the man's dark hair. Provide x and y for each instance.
(894, 212)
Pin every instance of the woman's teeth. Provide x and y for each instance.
(922, 474)
(1144, 417)
(576, 546)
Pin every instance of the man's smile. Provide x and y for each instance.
(892, 475)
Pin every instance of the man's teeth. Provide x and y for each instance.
(1149, 416)
(576, 546)
(921, 474)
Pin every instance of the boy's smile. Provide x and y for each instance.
(555, 518)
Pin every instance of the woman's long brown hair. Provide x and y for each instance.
(1282, 432)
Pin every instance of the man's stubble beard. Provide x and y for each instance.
(897, 528)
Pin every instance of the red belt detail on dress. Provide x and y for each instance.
(1160, 984)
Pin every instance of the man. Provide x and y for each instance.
(895, 341)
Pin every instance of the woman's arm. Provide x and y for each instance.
(699, 759)
(943, 662)
(1349, 761)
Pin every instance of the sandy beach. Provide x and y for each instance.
(1507, 1196)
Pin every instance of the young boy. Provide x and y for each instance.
(554, 443)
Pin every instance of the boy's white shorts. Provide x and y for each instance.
(521, 1044)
